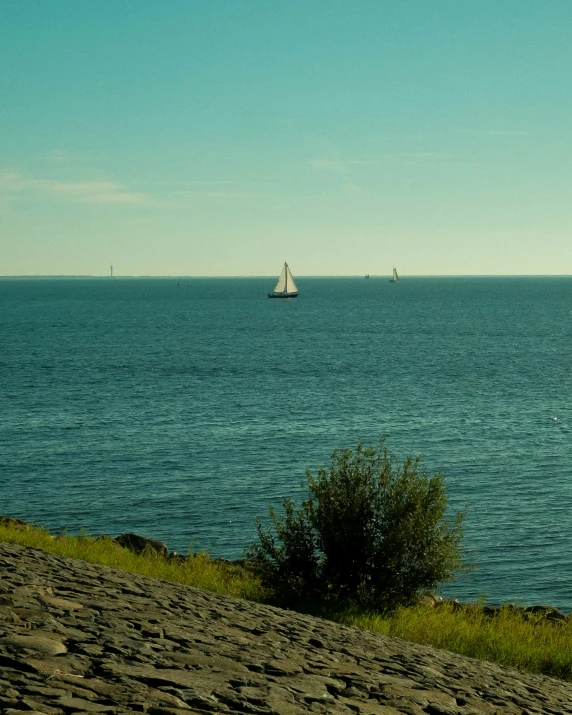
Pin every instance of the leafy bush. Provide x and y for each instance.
(370, 532)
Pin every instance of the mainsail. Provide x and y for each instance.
(395, 276)
(286, 282)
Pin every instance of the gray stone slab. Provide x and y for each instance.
(79, 638)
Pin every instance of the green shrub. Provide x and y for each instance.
(371, 532)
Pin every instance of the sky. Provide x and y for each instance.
(223, 137)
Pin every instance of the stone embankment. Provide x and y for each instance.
(80, 638)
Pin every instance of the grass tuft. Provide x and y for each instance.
(198, 570)
(535, 645)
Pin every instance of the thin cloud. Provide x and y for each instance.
(219, 191)
(420, 155)
(333, 165)
(91, 192)
(16, 185)
(340, 166)
(498, 132)
(11, 181)
(199, 184)
(64, 156)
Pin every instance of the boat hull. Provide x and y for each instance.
(283, 295)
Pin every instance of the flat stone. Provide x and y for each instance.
(31, 614)
(161, 710)
(38, 706)
(198, 659)
(372, 708)
(71, 704)
(61, 603)
(37, 645)
(56, 665)
(282, 667)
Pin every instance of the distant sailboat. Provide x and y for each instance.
(394, 278)
(285, 288)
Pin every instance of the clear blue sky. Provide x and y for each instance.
(222, 137)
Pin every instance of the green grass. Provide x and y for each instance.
(531, 645)
(535, 645)
(198, 570)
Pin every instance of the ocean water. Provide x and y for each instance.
(181, 409)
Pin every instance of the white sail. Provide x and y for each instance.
(395, 276)
(286, 282)
(280, 287)
(290, 285)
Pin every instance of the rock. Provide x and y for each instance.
(161, 648)
(545, 613)
(536, 613)
(429, 600)
(73, 704)
(138, 544)
(178, 558)
(492, 611)
(63, 603)
(36, 644)
(451, 603)
(13, 523)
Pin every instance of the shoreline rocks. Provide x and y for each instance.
(80, 638)
(139, 544)
(532, 613)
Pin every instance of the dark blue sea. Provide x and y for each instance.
(181, 409)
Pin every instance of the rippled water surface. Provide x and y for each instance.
(182, 409)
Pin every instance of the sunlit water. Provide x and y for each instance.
(183, 409)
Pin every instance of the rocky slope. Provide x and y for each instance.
(79, 638)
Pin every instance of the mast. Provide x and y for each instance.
(285, 277)
(111, 272)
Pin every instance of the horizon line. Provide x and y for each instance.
(273, 275)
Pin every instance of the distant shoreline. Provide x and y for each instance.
(374, 276)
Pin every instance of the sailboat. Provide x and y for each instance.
(285, 288)
(394, 278)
